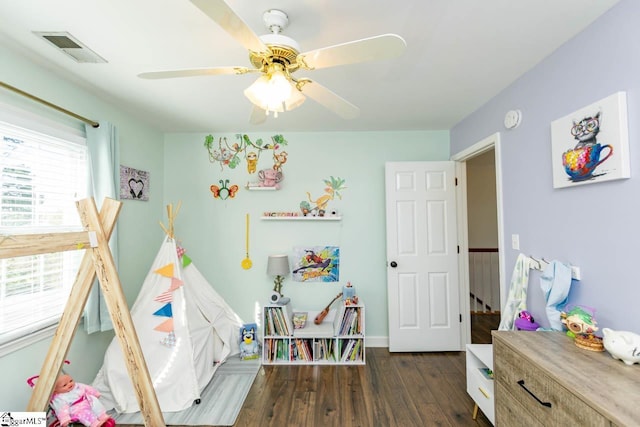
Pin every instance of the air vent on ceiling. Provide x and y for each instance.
(71, 46)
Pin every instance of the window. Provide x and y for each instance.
(41, 177)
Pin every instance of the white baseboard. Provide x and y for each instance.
(376, 341)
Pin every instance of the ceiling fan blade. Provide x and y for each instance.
(370, 49)
(223, 15)
(330, 100)
(215, 71)
(258, 116)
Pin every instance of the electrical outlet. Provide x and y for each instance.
(515, 241)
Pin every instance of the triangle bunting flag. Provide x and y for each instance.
(185, 260)
(165, 297)
(165, 311)
(180, 251)
(175, 284)
(166, 326)
(169, 340)
(166, 271)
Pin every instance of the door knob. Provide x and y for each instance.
(394, 264)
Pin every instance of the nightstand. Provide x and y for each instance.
(480, 381)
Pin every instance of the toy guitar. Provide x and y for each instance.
(320, 317)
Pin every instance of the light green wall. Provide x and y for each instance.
(212, 230)
(139, 236)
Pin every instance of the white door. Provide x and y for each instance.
(422, 257)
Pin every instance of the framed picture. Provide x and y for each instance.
(592, 144)
(316, 264)
(134, 184)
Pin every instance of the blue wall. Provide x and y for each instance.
(592, 226)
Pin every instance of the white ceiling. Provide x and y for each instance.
(460, 53)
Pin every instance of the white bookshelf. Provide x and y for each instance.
(338, 340)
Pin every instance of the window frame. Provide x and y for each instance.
(73, 134)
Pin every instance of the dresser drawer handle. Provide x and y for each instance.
(521, 384)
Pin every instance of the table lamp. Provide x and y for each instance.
(278, 266)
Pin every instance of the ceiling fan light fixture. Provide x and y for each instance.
(273, 91)
(295, 100)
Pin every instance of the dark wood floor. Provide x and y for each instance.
(392, 389)
(482, 325)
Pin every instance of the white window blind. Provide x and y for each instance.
(41, 177)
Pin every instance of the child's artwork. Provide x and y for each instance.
(316, 264)
(591, 144)
(134, 184)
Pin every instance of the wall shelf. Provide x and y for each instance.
(256, 188)
(301, 218)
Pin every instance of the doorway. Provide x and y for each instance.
(480, 231)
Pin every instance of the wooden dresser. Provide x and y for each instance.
(543, 379)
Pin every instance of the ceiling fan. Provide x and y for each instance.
(277, 57)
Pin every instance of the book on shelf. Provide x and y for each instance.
(276, 321)
(351, 321)
(323, 349)
(351, 350)
(282, 352)
(355, 352)
(302, 350)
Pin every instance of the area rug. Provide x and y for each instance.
(221, 400)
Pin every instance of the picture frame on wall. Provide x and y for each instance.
(316, 264)
(591, 144)
(134, 184)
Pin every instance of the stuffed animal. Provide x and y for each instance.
(622, 345)
(249, 348)
(270, 178)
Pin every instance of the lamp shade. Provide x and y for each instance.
(278, 265)
(274, 92)
(295, 100)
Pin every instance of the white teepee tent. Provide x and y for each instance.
(185, 328)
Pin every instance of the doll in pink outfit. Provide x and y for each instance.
(77, 402)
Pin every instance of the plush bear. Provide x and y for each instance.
(270, 178)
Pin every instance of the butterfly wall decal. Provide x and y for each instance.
(224, 191)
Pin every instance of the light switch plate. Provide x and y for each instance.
(515, 241)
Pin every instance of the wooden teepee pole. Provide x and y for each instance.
(105, 269)
(75, 304)
(99, 227)
(172, 216)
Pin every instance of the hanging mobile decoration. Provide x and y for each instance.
(246, 262)
(224, 192)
